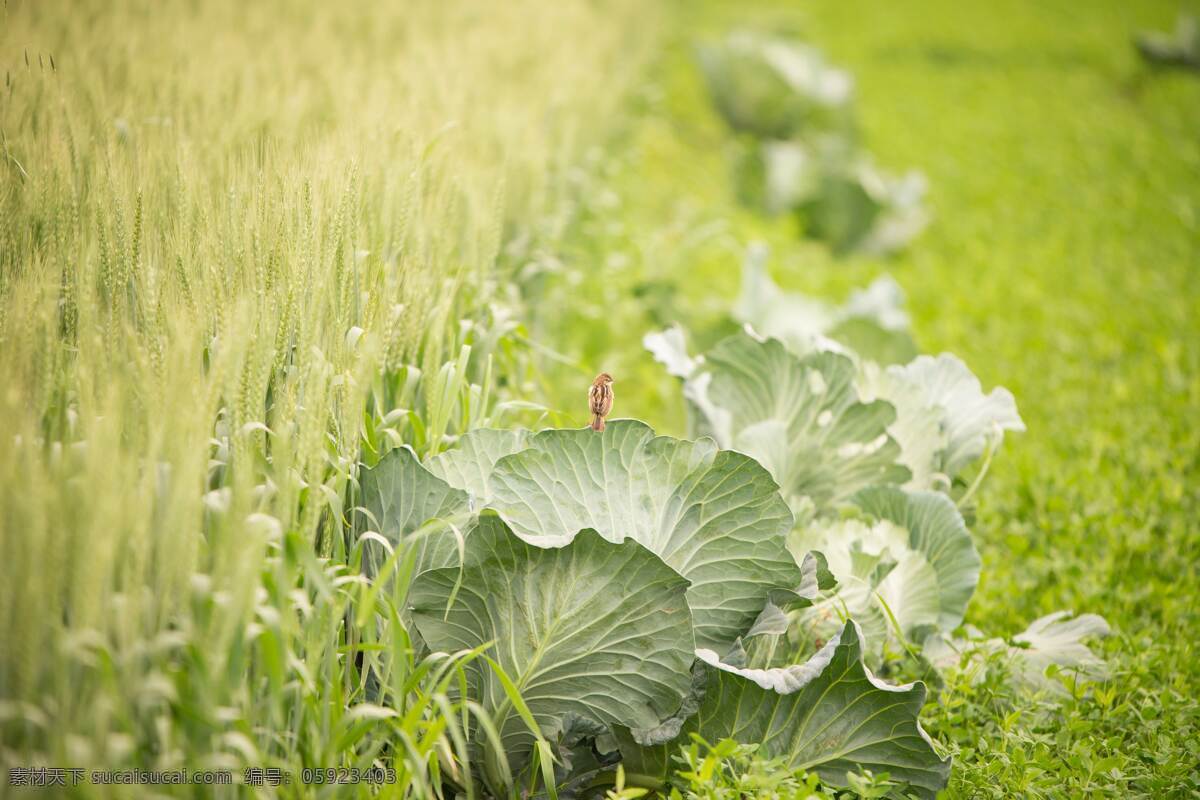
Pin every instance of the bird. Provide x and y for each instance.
(600, 399)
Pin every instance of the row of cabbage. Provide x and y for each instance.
(630, 589)
(798, 147)
(758, 580)
(748, 582)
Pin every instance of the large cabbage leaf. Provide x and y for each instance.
(800, 417)
(592, 629)
(910, 563)
(399, 496)
(715, 516)
(469, 464)
(828, 715)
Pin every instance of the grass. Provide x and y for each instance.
(241, 248)
(1061, 263)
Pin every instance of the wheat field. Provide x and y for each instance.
(229, 233)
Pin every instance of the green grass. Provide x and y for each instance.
(1061, 263)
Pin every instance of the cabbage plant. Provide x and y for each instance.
(872, 324)
(877, 461)
(942, 420)
(837, 191)
(774, 87)
(1053, 645)
(1179, 48)
(609, 580)
(801, 416)
(906, 566)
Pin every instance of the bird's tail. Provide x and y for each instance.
(597, 422)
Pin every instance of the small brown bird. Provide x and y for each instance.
(600, 399)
